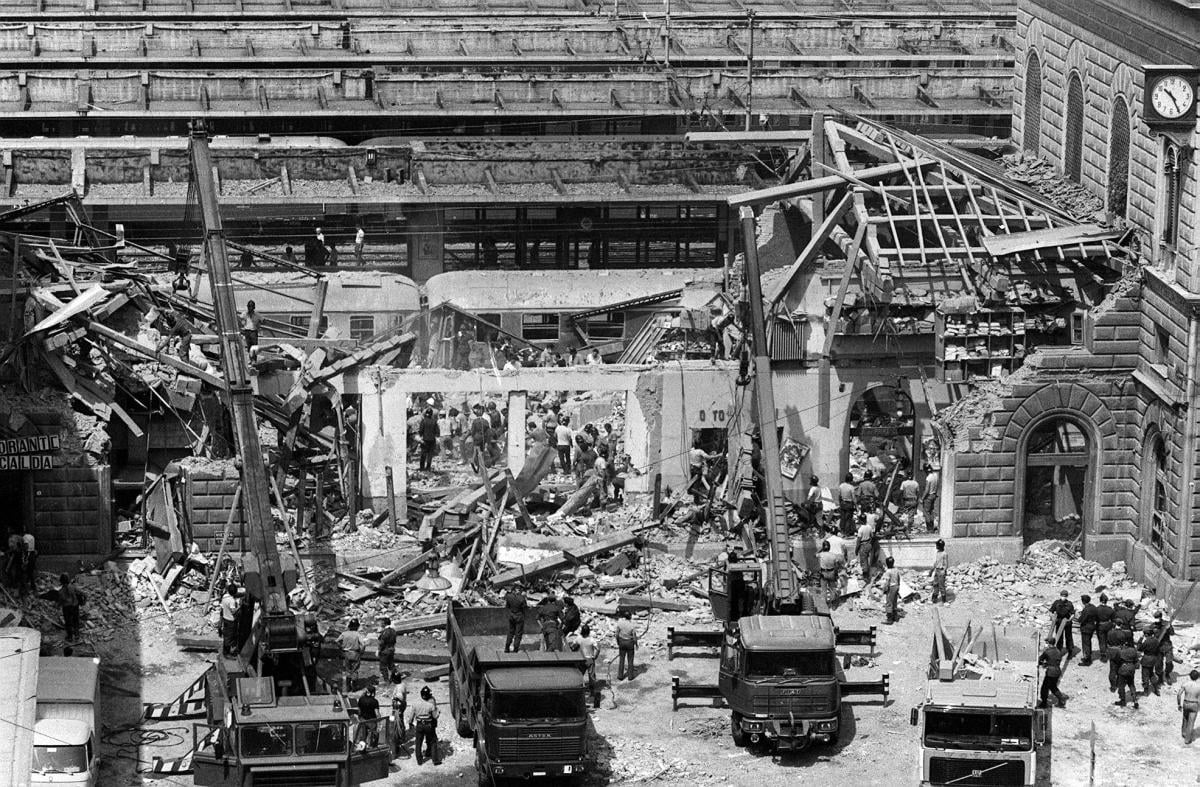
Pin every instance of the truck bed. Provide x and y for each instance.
(483, 631)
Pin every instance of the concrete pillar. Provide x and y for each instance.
(425, 249)
(517, 415)
(384, 440)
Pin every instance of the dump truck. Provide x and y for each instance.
(526, 711)
(66, 735)
(979, 721)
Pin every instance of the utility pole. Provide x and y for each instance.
(750, 69)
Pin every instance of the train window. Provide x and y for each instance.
(301, 322)
(605, 326)
(362, 326)
(540, 327)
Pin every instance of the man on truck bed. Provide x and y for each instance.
(549, 612)
(422, 716)
(516, 604)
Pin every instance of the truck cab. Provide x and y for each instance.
(780, 676)
(979, 722)
(65, 739)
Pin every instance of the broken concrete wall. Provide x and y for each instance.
(208, 489)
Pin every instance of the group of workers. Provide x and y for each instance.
(863, 499)
(1117, 642)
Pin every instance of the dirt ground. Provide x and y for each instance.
(639, 740)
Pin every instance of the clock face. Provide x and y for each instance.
(1172, 97)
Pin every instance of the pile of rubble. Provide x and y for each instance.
(1066, 194)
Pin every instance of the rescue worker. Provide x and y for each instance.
(368, 718)
(229, 629)
(940, 565)
(933, 488)
(590, 650)
(251, 322)
(549, 615)
(627, 639)
(1187, 699)
(1063, 611)
(867, 494)
(68, 599)
(564, 438)
(1127, 658)
(1151, 663)
(428, 432)
(812, 506)
(910, 498)
(1104, 625)
(846, 505)
(830, 564)
(516, 604)
(1087, 628)
(570, 617)
(387, 652)
(697, 459)
(352, 646)
(891, 587)
(1124, 615)
(422, 716)
(866, 549)
(1051, 659)
(1163, 630)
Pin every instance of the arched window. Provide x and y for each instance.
(1057, 460)
(1033, 103)
(1154, 486)
(883, 430)
(1073, 134)
(1118, 158)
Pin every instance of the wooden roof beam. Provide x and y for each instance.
(826, 183)
(419, 174)
(489, 180)
(556, 179)
(861, 96)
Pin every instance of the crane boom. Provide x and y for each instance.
(781, 579)
(265, 576)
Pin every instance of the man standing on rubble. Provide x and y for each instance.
(831, 565)
(549, 614)
(68, 599)
(1163, 630)
(866, 549)
(867, 495)
(229, 628)
(1063, 611)
(1104, 625)
(1124, 615)
(428, 433)
(910, 496)
(1188, 701)
(846, 504)
(387, 652)
(251, 322)
(352, 645)
(698, 460)
(933, 488)
(1051, 659)
(940, 565)
(479, 436)
(627, 639)
(516, 604)
(891, 587)
(1087, 628)
(563, 439)
(29, 566)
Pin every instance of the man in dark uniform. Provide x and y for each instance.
(1117, 639)
(368, 718)
(1104, 624)
(1127, 658)
(1051, 659)
(549, 613)
(1087, 628)
(1123, 616)
(1151, 663)
(1063, 611)
(1163, 630)
(516, 604)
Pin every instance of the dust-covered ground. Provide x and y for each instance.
(639, 740)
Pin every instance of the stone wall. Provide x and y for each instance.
(208, 496)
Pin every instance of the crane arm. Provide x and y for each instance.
(781, 577)
(265, 576)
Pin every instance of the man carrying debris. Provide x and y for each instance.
(627, 639)
(516, 604)
(549, 614)
(387, 652)
(1187, 700)
(229, 629)
(1104, 625)
(891, 587)
(831, 565)
(697, 463)
(1051, 659)
(940, 564)
(422, 716)
(590, 650)
(1087, 628)
(1063, 611)
(352, 645)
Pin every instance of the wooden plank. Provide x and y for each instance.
(650, 602)
(561, 560)
(843, 288)
(817, 185)
(810, 251)
(146, 352)
(1000, 245)
(410, 566)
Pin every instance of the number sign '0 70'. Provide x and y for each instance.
(713, 416)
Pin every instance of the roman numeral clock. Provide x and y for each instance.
(1169, 97)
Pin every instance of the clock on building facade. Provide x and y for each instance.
(1169, 98)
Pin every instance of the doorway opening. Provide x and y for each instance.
(1057, 482)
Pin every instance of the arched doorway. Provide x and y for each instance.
(1057, 481)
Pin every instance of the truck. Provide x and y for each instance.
(526, 711)
(779, 673)
(979, 720)
(66, 735)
